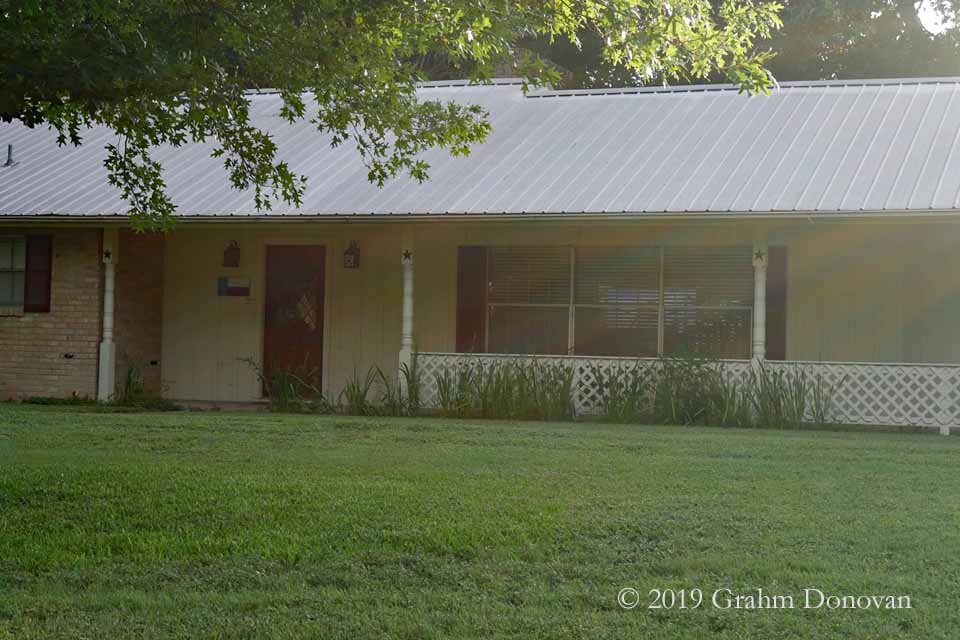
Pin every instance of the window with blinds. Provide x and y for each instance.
(707, 301)
(13, 252)
(528, 300)
(619, 301)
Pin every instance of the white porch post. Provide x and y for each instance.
(406, 320)
(108, 351)
(760, 257)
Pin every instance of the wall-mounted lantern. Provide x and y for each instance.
(351, 257)
(231, 255)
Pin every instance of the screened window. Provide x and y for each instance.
(13, 252)
(619, 301)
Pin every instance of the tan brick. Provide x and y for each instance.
(32, 346)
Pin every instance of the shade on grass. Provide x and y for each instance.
(189, 525)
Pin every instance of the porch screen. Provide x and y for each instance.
(610, 301)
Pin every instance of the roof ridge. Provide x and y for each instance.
(466, 82)
(718, 87)
(690, 88)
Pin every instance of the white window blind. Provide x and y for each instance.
(528, 300)
(617, 301)
(529, 275)
(620, 301)
(708, 301)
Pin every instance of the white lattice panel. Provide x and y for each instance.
(923, 395)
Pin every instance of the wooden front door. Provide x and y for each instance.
(293, 327)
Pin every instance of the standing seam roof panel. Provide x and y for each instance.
(827, 164)
(926, 181)
(617, 154)
(688, 166)
(845, 169)
(804, 170)
(729, 177)
(839, 146)
(916, 154)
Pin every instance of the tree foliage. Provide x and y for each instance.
(169, 72)
(824, 39)
(819, 40)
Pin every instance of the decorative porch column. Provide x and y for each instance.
(406, 320)
(760, 259)
(108, 352)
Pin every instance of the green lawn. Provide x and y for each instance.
(255, 525)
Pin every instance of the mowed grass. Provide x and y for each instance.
(257, 525)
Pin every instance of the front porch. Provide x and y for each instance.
(837, 299)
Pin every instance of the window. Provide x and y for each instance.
(13, 257)
(25, 267)
(528, 300)
(617, 301)
(707, 301)
(606, 301)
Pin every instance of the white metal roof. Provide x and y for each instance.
(870, 146)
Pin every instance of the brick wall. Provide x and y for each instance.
(138, 307)
(55, 354)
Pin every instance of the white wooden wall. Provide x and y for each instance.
(874, 293)
(205, 335)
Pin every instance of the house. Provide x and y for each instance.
(818, 225)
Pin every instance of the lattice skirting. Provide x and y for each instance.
(921, 395)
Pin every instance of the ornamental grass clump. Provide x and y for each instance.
(822, 397)
(289, 390)
(355, 397)
(626, 392)
(399, 395)
(455, 391)
(779, 397)
(556, 392)
(699, 391)
(728, 402)
(520, 390)
(681, 390)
